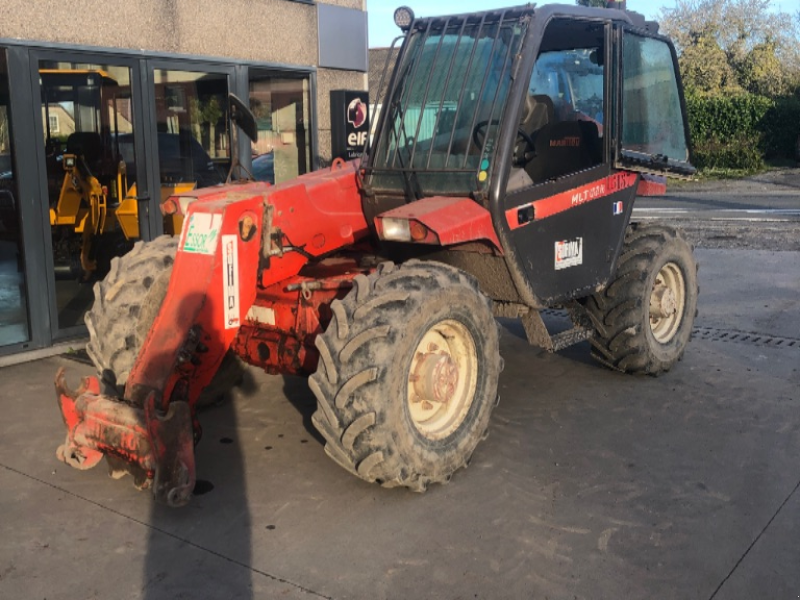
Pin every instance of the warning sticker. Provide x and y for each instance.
(200, 236)
(230, 281)
(569, 253)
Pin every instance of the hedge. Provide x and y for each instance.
(740, 132)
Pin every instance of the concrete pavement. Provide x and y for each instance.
(591, 484)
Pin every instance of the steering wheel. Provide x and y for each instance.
(478, 135)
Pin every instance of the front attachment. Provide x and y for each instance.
(99, 425)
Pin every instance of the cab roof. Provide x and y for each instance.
(544, 12)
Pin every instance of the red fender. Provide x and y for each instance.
(447, 221)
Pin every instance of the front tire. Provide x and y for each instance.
(643, 319)
(408, 373)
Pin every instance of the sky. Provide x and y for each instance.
(382, 29)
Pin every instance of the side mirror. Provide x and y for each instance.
(243, 117)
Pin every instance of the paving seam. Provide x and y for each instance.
(754, 542)
(171, 535)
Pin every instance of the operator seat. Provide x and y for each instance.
(537, 112)
(564, 147)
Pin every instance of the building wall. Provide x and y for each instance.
(274, 31)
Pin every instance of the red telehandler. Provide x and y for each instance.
(508, 153)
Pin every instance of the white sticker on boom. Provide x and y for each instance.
(261, 314)
(230, 281)
(569, 253)
(201, 234)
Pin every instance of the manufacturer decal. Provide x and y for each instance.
(589, 193)
(569, 253)
(201, 233)
(573, 141)
(230, 281)
(580, 196)
(618, 208)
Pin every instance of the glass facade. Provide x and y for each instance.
(281, 107)
(14, 322)
(102, 140)
(192, 124)
(87, 117)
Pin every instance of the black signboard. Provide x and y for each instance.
(349, 123)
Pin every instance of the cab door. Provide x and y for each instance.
(565, 206)
(604, 104)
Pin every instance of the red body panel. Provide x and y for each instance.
(453, 220)
(652, 185)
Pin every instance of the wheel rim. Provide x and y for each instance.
(667, 302)
(442, 379)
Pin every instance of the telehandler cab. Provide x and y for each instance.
(508, 153)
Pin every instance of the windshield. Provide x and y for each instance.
(447, 104)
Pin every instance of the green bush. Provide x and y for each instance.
(741, 131)
(724, 118)
(737, 153)
(782, 128)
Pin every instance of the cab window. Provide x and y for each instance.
(561, 128)
(652, 119)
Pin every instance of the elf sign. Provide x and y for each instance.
(349, 123)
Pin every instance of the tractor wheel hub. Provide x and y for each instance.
(435, 377)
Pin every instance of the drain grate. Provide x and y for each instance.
(713, 334)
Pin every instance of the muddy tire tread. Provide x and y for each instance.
(621, 341)
(349, 384)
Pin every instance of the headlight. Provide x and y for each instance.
(396, 230)
(403, 17)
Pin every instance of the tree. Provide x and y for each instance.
(597, 3)
(761, 72)
(704, 66)
(761, 47)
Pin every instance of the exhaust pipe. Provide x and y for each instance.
(620, 4)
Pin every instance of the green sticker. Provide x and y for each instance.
(202, 233)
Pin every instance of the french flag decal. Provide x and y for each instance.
(617, 208)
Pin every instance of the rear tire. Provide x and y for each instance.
(407, 377)
(126, 304)
(643, 319)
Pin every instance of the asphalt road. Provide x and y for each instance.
(760, 212)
